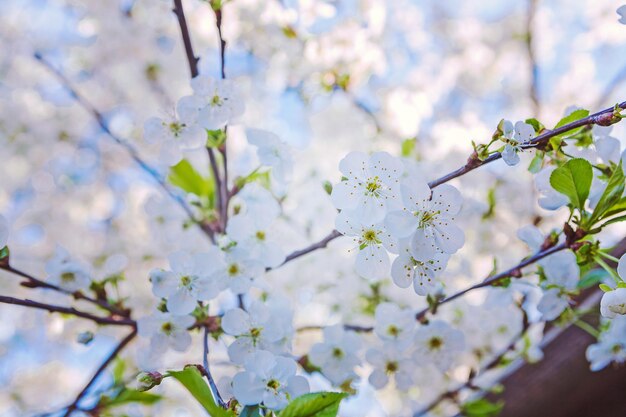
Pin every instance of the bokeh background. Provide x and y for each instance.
(419, 78)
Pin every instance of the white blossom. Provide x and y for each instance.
(390, 362)
(439, 344)
(406, 270)
(611, 346)
(337, 355)
(67, 273)
(261, 327)
(272, 152)
(214, 103)
(514, 137)
(394, 325)
(188, 280)
(427, 219)
(372, 243)
(166, 330)
(370, 187)
(173, 136)
(553, 302)
(270, 380)
(253, 233)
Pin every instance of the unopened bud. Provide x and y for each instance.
(148, 380)
(84, 338)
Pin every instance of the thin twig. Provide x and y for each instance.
(73, 407)
(33, 282)
(184, 30)
(313, 247)
(494, 279)
(602, 118)
(192, 60)
(205, 360)
(100, 119)
(66, 310)
(493, 363)
(532, 59)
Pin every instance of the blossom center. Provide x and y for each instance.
(185, 281)
(260, 235)
(68, 277)
(391, 367)
(176, 128)
(393, 331)
(167, 328)
(255, 332)
(233, 270)
(435, 343)
(216, 100)
(370, 236)
(373, 186)
(273, 384)
(337, 353)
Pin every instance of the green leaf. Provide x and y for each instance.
(262, 177)
(573, 179)
(491, 201)
(481, 408)
(4, 256)
(250, 411)
(118, 371)
(572, 117)
(318, 404)
(605, 288)
(192, 380)
(536, 163)
(536, 124)
(185, 176)
(128, 395)
(215, 138)
(610, 201)
(408, 145)
(592, 277)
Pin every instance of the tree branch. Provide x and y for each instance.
(601, 118)
(33, 282)
(67, 310)
(192, 60)
(514, 272)
(205, 362)
(313, 247)
(532, 59)
(72, 407)
(184, 30)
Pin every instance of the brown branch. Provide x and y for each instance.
(313, 247)
(493, 363)
(514, 272)
(67, 310)
(33, 282)
(532, 59)
(601, 118)
(192, 60)
(73, 407)
(184, 30)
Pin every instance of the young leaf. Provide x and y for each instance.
(611, 200)
(572, 117)
(605, 288)
(317, 404)
(591, 278)
(128, 395)
(192, 380)
(481, 408)
(185, 176)
(573, 179)
(408, 145)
